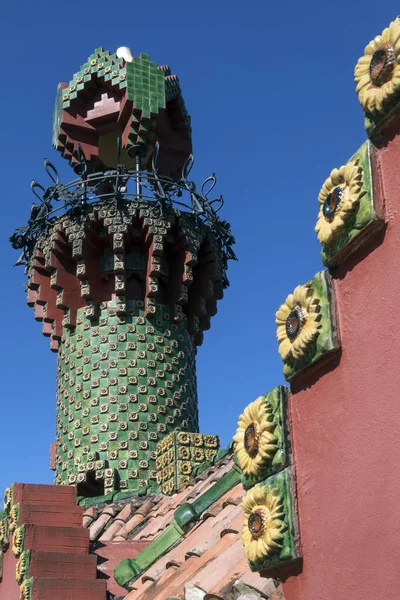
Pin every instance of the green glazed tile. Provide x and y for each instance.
(276, 401)
(362, 222)
(284, 519)
(327, 339)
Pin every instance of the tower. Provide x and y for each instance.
(125, 266)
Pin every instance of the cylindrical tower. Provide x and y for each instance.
(125, 266)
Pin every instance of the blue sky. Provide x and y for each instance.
(270, 90)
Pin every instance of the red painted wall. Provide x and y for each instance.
(346, 426)
(9, 588)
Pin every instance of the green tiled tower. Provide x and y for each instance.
(125, 266)
(123, 382)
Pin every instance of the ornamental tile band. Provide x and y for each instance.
(307, 329)
(261, 439)
(26, 589)
(347, 216)
(22, 567)
(18, 540)
(14, 518)
(178, 454)
(270, 535)
(4, 529)
(8, 499)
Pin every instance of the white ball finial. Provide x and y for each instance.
(125, 53)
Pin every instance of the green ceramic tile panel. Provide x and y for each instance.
(98, 409)
(363, 219)
(141, 75)
(277, 400)
(282, 484)
(327, 339)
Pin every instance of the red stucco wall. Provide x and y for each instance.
(346, 427)
(9, 588)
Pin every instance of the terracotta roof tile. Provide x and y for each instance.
(154, 525)
(163, 514)
(99, 524)
(197, 542)
(208, 561)
(118, 521)
(134, 522)
(256, 582)
(106, 521)
(88, 516)
(218, 575)
(172, 584)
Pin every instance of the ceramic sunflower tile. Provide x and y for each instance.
(261, 439)
(307, 329)
(347, 215)
(270, 535)
(377, 75)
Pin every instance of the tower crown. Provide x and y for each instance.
(116, 95)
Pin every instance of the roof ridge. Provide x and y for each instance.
(185, 517)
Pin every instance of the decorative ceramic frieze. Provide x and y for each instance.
(270, 534)
(4, 529)
(178, 454)
(347, 215)
(8, 499)
(14, 518)
(377, 75)
(261, 444)
(22, 566)
(25, 590)
(18, 538)
(307, 329)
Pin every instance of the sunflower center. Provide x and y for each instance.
(294, 322)
(252, 438)
(331, 203)
(382, 65)
(257, 522)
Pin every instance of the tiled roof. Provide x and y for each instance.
(206, 563)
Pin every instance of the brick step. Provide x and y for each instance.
(56, 539)
(55, 515)
(43, 494)
(62, 565)
(68, 589)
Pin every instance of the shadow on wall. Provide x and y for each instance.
(361, 254)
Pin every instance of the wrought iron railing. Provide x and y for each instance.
(121, 185)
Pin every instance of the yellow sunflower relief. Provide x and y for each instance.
(255, 442)
(338, 198)
(263, 523)
(377, 73)
(298, 323)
